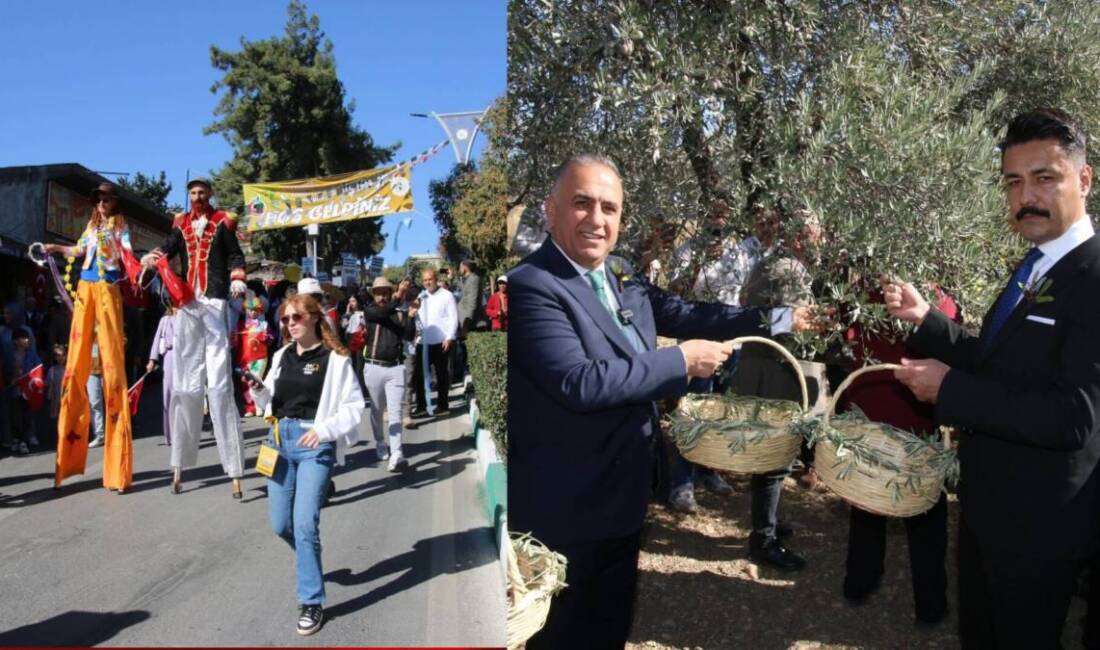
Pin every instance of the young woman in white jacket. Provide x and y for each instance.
(313, 394)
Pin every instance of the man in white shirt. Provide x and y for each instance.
(439, 317)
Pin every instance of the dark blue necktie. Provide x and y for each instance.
(1011, 295)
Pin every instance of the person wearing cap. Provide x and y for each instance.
(312, 287)
(205, 241)
(97, 319)
(497, 306)
(384, 365)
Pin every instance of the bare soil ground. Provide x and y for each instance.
(697, 588)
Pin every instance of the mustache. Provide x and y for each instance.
(1038, 212)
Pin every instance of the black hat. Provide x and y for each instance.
(200, 180)
(104, 188)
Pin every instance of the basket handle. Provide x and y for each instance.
(737, 342)
(848, 382)
(852, 377)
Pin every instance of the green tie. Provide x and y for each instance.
(599, 284)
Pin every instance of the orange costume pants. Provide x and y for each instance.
(97, 312)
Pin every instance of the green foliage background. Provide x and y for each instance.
(487, 354)
(879, 118)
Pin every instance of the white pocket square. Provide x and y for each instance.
(1040, 319)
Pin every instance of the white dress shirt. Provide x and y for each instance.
(439, 314)
(1078, 233)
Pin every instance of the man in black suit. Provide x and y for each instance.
(1026, 395)
(583, 374)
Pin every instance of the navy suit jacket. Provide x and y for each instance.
(581, 414)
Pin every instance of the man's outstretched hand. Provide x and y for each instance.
(904, 301)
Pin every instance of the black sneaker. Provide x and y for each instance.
(309, 619)
(773, 553)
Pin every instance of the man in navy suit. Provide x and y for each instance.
(1026, 394)
(583, 375)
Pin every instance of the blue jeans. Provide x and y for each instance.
(95, 402)
(294, 495)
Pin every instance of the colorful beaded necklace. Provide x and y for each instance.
(102, 235)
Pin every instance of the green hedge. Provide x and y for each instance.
(487, 354)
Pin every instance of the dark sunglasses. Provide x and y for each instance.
(296, 317)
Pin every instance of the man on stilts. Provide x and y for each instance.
(205, 240)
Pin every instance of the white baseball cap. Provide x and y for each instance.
(309, 285)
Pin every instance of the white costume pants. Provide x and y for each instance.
(202, 361)
(386, 387)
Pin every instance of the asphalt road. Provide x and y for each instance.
(409, 558)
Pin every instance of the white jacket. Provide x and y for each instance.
(340, 411)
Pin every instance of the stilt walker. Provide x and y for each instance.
(205, 240)
(97, 317)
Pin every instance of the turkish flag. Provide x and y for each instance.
(32, 386)
(135, 394)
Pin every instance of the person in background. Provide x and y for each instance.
(252, 339)
(53, 379)
(406, 294)
(882, 399)
(781, 277)
(439, 319)
(352, 325)
(21, 416)
(162, 354)
(497, 307)
(387, 329)
(95, 399)
(471, 312)
(314, 400)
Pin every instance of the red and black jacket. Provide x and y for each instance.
(210, 257)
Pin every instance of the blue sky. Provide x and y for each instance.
(124, 86)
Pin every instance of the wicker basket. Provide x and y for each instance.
(749, 435)
(905, 476)
(535, 574)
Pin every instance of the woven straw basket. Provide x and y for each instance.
(765, 423)
(535, 574)
(907, 484)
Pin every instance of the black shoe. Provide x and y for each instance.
(783, 530)
(858, 594)
(310, 618)
(774, 554)
(329, 492)
(419, 413)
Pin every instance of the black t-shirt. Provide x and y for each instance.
(301, 378)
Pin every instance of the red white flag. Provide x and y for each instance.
(32, 386)
(135, 394)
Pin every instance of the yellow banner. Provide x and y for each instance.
(358, 195)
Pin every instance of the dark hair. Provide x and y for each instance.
(20, 333)
(1046, 124)
(469, 264)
